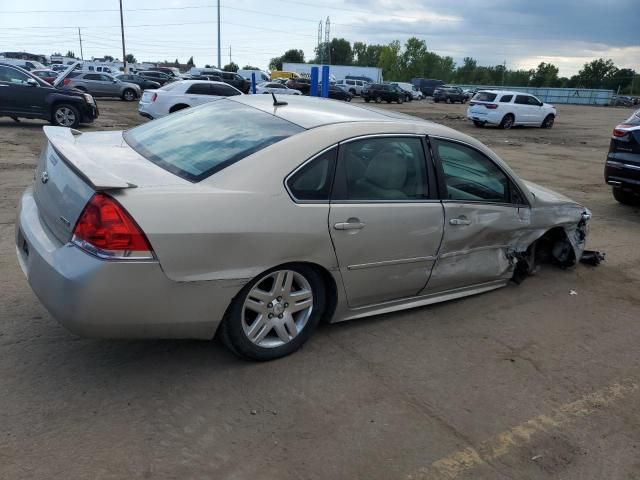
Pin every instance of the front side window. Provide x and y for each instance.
(471, 176)
(522, 100)
(195, 143)
(382, 169)
(313, 181)
(12, 76)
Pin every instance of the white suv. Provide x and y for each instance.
(354, 87)
(175, 96)
(506, 109)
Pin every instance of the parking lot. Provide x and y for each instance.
(540, 380)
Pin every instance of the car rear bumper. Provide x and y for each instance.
(623, 172)
(98, 298)
(489, 116)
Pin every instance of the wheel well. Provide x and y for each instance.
(553, 247)
(331, 293)
(177, 107)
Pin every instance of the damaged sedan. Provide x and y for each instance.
(253, 220)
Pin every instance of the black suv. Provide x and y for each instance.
(160, 77)
(449, 95)
(383, 91)
(235, 80)
(23, 95)
(302, 84)
(622, 170)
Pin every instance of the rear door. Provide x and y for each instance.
(385, 221)
(199, 93)
(94, 84)
(485, 213)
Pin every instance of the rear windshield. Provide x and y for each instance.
(485, 97)
(198, 142)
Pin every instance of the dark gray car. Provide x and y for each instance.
(103, 85)
(143, 83)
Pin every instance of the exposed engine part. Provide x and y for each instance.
(592, 257)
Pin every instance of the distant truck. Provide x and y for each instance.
(426, 85)
(339, 72)
(283, 74)
(260, 75)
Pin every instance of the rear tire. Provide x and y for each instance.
(548, 121)
(400, 100)
(624, 197)
(378, 99)
(129, 95)
(255, 336)
(367, 100)
(65, 115)
(507, 121)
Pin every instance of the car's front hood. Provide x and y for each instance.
(544, 196)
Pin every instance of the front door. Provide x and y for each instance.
(19, 97)
(385, 220)
(485, 213)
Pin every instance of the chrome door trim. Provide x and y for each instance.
(382, 135)
(471, 250)
(392, 262)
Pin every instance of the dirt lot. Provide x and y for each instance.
(527, 382)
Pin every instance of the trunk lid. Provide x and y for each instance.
(73, 166)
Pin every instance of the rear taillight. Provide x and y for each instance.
(491, 106)
(106, 230)
(66, 81)
(621, 130)
(154, 98)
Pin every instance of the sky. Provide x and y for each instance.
(521, 33)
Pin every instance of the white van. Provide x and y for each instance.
(93, 67)
(352, 86)
(260, 75)
(26, 64)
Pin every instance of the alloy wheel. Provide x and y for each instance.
(277, 308)
(65, 117)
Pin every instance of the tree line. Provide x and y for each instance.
(404, 62)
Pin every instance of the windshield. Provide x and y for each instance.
(198, 142)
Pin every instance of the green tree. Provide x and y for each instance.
(389, 60)
(366, 55)
(595, 73)
(131, 59)
(290, 56)
(70, 54)
(249, 67)
(108, 58)
(413, 60)
(620, 80)
(340, 52)
(176, 63)
(546, 75)
(190, 62)
(231, 67)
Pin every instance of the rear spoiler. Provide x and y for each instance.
(63, 141)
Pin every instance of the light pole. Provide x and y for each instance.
(219, 46)
(124, 55)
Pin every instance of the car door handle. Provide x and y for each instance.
(460, 221)
(350, 225)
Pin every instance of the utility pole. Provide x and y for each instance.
(124, 55)
(80, 37)
(320, 45)
(504, 69)
(219, 46)
(327, 28)
(230, 61)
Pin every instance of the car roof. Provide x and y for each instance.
(506, 92)
(311, 112)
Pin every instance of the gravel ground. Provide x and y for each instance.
(526, 382)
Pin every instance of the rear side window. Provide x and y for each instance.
(506, 98)
(93, 76)
(195, 143)
(199, 89)
(485, 96)
(224, 91)
(313, 181)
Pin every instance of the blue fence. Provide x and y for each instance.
(580, 96)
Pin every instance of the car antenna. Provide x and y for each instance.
(276, 102)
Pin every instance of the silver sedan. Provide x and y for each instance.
(256, 221)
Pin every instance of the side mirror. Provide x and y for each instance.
(32, 83)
